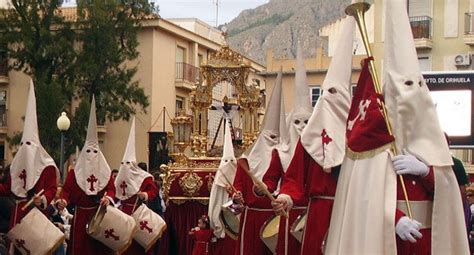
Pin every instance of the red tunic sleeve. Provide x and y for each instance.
(294, 181)
(274, 173)
(68, 187)
(48, 181)
(429, 181)
(240, 175)
(149, 186)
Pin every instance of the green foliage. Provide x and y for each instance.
(109, 37)
(73, 60)
(40, 43)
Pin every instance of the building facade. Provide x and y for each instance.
(444, 37)
(168, 67)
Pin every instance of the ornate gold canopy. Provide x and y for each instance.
(224, 65)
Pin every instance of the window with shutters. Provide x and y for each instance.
(315, 93)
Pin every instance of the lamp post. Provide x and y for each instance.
(182, 130)
(63, 124)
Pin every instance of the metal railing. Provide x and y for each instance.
(469, 23)
(187, 72)
(421, 26)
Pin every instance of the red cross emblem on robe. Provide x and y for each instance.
(92, 179)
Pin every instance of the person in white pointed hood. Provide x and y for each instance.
(437, 226)
(290, 129)
(312, 174)
(257, 161)
(224, 176)
(32, 169)
(87, 185)
(133, 184)
(302, 109)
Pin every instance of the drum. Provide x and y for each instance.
(297, 227)
(35, 234)
(150, 226)
(269, 232)
(113, 228)
(230, 219)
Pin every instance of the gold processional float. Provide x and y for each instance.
(190, 176)
(188, 179)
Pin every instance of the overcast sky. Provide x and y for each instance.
(205, 10)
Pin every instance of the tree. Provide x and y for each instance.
(74, 59)
(109, 44)
(40, 42)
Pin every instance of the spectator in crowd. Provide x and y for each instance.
(143, 166)
(62, 219)
(6, 203)
(202, 235)
(470, 200)
(114, 173)
(463, 182)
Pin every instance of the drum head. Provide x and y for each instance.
(271, 227)
(96, 220)
(231, 222)
(297, 227)
(269, 233)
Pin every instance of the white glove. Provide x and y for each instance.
(409, 164)
(408, 229)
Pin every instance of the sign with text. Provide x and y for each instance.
(452, 94)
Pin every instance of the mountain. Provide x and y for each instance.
(279, 24)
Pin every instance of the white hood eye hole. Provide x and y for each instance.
(95, 151)
(420, 83)
(226, 160)
(305, 121)
(28, 143)
(332, 90)
(297, 122)
(409, 83)
(274, 136)
(21, 143)
(88, 151)
(128, 162)
(121, 163)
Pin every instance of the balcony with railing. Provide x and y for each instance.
(469, 28)
(421, 27)
(186, 75)
(3, 71)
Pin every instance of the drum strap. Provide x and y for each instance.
(287, 223)
(322, 197)
(136, 202)
(19, 201)
(259, 209)
(242, 235)
(87, 208)
(299, 208)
